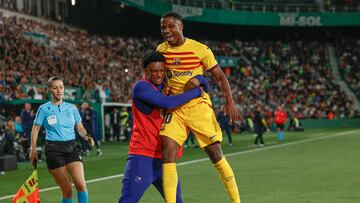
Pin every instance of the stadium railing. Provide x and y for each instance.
(262, 6)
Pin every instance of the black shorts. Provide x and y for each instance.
(60, 153)
(281, 126)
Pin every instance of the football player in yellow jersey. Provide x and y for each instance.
(186, 58)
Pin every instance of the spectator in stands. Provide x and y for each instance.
(8, 139)
(18, 125)
(13, 141)
(31, 93)
(2, 96)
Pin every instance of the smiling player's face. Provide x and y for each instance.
(155, 72)
(172, 31)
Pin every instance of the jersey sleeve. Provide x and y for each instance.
(161, 47)
(145, 92)
(40, 117)
(208, 58)
(203, 82)
(76, 114)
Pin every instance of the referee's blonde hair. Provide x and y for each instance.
(53, 78)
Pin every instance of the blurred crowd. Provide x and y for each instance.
(82, 60)
(294, 74)
(342, 5)
(254, 5)
(349, 63)
(15, 130)
(277, 5)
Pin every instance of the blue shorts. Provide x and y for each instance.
(140, 173)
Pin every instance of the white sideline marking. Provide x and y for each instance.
(206, 159)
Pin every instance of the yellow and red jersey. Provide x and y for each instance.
(184, 62)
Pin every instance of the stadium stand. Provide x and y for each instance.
(288, 73)
(275, 5)
(272, 73)
(276, 64)
(342, 5)
(269, 72)
(258, 5)
(71, 53)
(348, 53)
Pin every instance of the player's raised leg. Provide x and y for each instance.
(224, 170)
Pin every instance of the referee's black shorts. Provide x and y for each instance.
(281, 126)
(60, 153)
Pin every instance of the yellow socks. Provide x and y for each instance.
(227, 177)
(170, 181)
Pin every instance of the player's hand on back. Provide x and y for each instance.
(191, 84)
(166, 90)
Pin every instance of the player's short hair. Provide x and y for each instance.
(172, 14)
(53, 78)
(152, 56)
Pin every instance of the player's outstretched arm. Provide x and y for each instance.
(226, 91)
(145, 92)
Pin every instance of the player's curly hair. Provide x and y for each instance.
(152, 56)
(172, 14)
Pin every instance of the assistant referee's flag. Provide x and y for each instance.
(29, 191)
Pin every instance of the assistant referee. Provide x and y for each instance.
(60, 119)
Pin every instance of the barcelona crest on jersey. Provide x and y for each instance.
(176, 61)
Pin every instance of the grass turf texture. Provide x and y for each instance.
(309, 170)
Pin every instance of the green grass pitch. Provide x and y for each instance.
(315, 166)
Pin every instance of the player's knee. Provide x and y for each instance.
(169, 155)
(170, 149)
(215, 157)
(214, 152)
